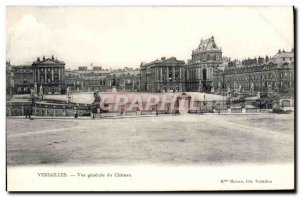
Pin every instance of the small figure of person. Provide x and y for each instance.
(92, 115)
(76, 115)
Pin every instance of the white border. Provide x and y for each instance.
(5, 3)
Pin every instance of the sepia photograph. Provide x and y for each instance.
(154, 98)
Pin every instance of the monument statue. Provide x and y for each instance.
(31, 92)
(114, 80)
(114, 89)
(228, 91)
(251, 88)
(269, 88)
(35, 87)
(68, 91)
(200, 86)
(41, 92)
(212, 88)
(97, 98)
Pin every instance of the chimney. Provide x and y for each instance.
(43, 58)
(52, 57)
(38, 59)
(163, 58)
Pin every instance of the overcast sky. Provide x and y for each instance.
(115, 37)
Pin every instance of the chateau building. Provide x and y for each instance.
(206, 71)
(200, 69)
(126, 79)
(23, 79)
(275, 74)
(72, 80)
(163, 75)
(92, 79)
(49, 73)
(10, 82)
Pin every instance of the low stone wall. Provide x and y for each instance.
(236, 110)
(124, 114)
(18, 108)
(37, 111)
(252, 110)
(44, 109)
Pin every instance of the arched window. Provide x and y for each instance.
(204, 74)
(208, 57)
(214, 57)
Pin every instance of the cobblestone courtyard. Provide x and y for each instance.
(188, 139)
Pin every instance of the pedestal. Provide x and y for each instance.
(68, 99)
(113, 89)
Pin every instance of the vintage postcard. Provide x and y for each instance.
(150, 98)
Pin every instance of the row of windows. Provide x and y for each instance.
(23, 70)
(49, 69)
(262, 76)
(287, 58)
(261, 85)
(94, 82)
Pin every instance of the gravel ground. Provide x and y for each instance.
(187, 139)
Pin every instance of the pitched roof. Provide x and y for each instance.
(283, 55)
(48, 61)
(164, 61)
(208, 44)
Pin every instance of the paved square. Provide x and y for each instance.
(188, 139)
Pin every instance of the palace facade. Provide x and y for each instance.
(50, 74)
(127, 79)
(92, 79)
(206, 71)
(10, 82)
(163, 75)
(200, 69)
(275, 74)
(23, 79)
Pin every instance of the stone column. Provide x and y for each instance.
(38, 69)
(173, 75)
(52, 74)
(59, 74)
(180, 74)
(133, 85)
(167, 73)
(22, 110)
(33, 75)
(161, 77)
(46, 76)
(200, 70)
